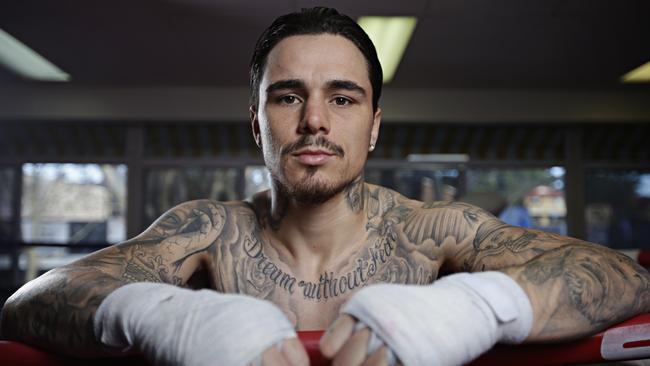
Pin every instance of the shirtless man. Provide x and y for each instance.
(311, 252)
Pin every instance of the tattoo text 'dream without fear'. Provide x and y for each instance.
(328, 285)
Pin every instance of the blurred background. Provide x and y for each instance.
(112, 112)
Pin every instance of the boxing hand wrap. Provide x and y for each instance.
(174, 326)
(449, 322)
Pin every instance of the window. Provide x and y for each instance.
(73, 203)
(522, 197)
(617, 208)
(81, 206)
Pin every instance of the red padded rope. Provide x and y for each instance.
(627, 340)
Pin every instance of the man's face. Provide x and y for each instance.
(315, 120)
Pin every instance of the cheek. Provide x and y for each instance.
(356, 154)
(358, 142)
(271, 146)
(273, 137)
(358, 149)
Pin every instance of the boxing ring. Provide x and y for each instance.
(629, 340)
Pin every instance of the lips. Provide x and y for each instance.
(313, 157)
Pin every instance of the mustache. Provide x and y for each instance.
(310, 140)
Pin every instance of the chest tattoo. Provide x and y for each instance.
(268, 269)
(387, 257)
(330, 285)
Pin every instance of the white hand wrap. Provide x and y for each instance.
(175, 326)
(450, 322)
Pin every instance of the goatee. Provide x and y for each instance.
(309, 190)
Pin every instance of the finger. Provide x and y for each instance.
(273, 357)
(354, 351)
(336, 335)
(295, 352)
(378, 358)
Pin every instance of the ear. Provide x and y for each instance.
(376, 121)
(255, 126)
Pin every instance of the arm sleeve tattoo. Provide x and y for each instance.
(581, 288)
(576, 288)
(55, 311)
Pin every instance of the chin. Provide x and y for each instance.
(312, 186)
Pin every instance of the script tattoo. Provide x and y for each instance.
(329, 285)
(386, 258)
(367, 266)
(253, 249)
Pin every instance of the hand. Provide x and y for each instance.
(345, 346)
(175, 326)
(290, 353)
(448, 323)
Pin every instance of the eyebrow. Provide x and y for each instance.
(332, 85)
(346, 85)
(286, 84)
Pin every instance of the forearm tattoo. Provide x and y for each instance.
(56, 310)
(599, 285)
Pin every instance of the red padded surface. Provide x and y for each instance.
(644, 257)
(20, 354)
(582, 351)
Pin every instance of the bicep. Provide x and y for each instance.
(169, 251)
(495, 245)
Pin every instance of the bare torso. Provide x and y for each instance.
(394, 250)
(233, 247)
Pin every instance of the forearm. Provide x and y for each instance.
(580, 289)
(56, 310)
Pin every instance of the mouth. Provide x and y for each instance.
(313, 157)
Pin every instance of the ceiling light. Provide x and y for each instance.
(639, 75)
(26, 62)
(390, 36)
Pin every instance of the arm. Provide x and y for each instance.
(576, 288)
(580, 289)
(56, 310)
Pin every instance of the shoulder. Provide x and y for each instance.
(471, 212)
(200, 216)
(443, 221)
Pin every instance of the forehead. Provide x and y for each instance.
(316, 58)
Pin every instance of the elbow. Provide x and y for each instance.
(9, 319)
(15, 311)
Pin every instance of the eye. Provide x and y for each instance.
(342, 101)
(288, 99)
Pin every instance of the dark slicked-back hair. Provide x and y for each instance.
(314, 21)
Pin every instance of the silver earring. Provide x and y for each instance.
(372, 147)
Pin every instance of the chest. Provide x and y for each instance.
(251, 267)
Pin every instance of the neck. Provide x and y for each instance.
(315, 235)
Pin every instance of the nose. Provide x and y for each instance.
(315, 118)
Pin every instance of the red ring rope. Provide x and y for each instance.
(628, 340)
